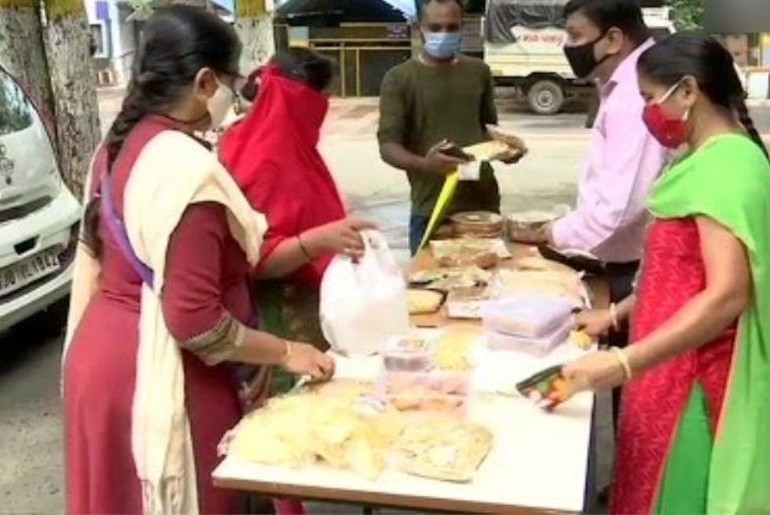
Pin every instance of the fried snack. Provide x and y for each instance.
(448, 279)
(581, 340)
(481, 259)
(478, 224)
(345, 431)
(483, 253)
(422, 302)
(563, 284)
(539, 264)
(454, 350)
(444, 449)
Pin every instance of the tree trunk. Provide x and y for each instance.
(254, 25)
(73, 78)
(22, 53)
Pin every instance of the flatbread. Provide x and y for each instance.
(444, 448)
(538, 264)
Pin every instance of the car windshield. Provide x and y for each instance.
(15, 109)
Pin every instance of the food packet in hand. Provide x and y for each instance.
(548, 388)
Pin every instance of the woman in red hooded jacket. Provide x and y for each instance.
(272, 153)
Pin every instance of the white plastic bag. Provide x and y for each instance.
(364, 305)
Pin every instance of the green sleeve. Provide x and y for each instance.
(488, 109)
(393, 110)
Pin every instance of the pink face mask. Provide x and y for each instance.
(670, 132)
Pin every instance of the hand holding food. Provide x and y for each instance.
(597, 371)
(516, 146)
(437, 161)
(581, 339)
(594, 322)
(304, 359)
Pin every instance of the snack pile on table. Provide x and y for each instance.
(413, 413)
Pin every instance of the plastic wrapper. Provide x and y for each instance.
(534, 346)
(526, 316)
(410, 354)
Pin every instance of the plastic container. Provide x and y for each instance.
(526, 227)
(468, 303)
(408, 354)
(527, 316)
(428, 391)
(534, 346)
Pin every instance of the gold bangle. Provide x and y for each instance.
(623, 360)
(614, 316)
(286, 351)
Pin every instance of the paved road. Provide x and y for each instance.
(30, 421)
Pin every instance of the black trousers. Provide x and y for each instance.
(620, 278)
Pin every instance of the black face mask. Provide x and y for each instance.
(582, 58)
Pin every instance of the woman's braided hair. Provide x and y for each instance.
(704, 58)
(178, 41)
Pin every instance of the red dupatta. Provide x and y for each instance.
(272, 154)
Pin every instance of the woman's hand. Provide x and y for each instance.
(597, 371)
(304, 359)
(594, 322)
(341, 237)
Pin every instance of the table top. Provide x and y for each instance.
(537, 463)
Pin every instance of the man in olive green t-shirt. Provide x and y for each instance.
(438, 98)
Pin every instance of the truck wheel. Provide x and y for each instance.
(545, 97)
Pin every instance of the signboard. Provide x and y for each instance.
(736, 16)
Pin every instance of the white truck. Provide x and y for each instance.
(523, 42)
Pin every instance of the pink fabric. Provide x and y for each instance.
(288, 507)
(624, 160)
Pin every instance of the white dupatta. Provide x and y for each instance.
(171, 172)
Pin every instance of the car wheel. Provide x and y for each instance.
(49, 323)
(545, 97)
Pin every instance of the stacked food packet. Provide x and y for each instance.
(529, 323)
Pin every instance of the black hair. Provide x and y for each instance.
(625, 15)
(178, 41)
(425, 3)
(297, 63)
(705, 59)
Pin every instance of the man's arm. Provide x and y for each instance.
(618, 191)
(391, 134)
(488, 110)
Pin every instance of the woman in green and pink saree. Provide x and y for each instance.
(694, 434)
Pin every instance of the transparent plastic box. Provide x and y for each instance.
(426, 391)
(411, 380)
(527, 316)
(534, 346)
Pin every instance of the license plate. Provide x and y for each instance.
(21, 274)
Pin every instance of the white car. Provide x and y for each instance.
(39, 216)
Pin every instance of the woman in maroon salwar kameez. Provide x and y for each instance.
(187, 66)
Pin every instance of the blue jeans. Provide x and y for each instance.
(418, 224)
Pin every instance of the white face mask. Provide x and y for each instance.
(219, 105)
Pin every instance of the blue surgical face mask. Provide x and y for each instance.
(442, 45)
